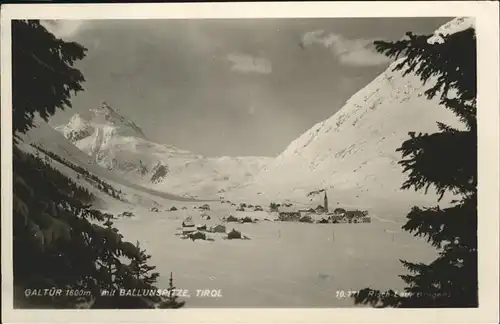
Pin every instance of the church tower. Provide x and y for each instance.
(326, 202)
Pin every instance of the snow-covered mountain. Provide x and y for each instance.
(119, 145)
(354, 151)
(43, 136)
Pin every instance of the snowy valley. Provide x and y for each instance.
(351, 157)
(119, 145)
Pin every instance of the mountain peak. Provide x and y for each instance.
(105, 114)
(76, 129)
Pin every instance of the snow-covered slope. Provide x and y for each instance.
(119, 145)
(211, 176)
(454, 26)
(354, 151)
(47, 138)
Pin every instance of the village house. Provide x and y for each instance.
(320, 210)
(354, 214)
(188, 226)
(246, 219)
(339, 211)
(188, 230)
(205, 207)
(231, 218)
(234, 234)
(218, 228)
(351, 216)
(187, 223)
(306, 219)
(289, 214)
(366, 219)
(198, 236)
(335, 218)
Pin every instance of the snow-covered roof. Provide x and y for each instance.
(288, 210)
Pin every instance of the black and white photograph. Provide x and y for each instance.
(245, 163)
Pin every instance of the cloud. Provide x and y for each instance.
(248, 64)
(63, 28)
(355, 52)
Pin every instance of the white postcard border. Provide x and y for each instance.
(486, 14)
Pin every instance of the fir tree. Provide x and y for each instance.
(172, 300)
(447, 161)
(42, 64)
(60, 241)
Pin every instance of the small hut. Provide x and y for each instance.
(188, 222)
(198, 236)
(339, 211)
(289, 215)
(334, 218)
(173, 208)
(354, 215)
(234, 234)
(201, 227)
(320, 209)
(186, 231)
(246, 219)
(231, 218)
(218, 228)
(306, 219)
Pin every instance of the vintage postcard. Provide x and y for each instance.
(250, 162)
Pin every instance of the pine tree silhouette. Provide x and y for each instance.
(59, 240)
(172, 300)
(447, 161)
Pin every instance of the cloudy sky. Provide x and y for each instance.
(229, 87)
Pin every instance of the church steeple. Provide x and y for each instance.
(326, 202)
